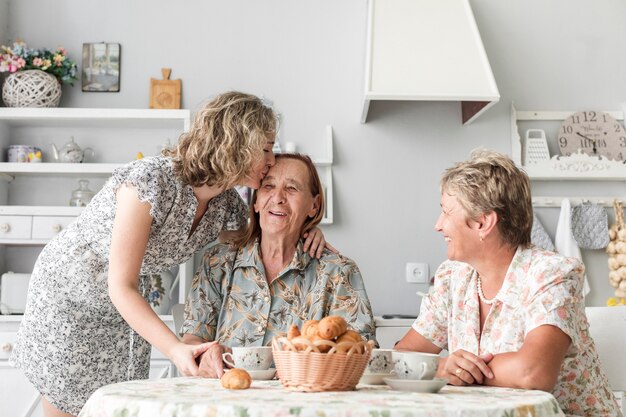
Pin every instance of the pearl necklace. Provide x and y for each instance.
(481, 295)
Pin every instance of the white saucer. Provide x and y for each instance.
(374, 379)
(262, 375)
(416, 385)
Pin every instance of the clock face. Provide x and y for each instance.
(594, 133)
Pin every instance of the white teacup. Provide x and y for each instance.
(256, 358)
(380, 362)
(414, 365)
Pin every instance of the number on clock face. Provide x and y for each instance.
(594, 133)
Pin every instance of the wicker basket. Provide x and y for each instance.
(31, 88)
(309, 370)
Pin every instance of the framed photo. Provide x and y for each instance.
(101, 67)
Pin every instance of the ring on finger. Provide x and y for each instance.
(458, 371)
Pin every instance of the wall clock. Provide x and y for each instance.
(594, 133)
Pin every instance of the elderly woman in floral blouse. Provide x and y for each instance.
(511, 315)
(249, 292)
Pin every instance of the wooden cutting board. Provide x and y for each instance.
(165, 93)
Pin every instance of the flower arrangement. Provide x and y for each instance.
(19, 57)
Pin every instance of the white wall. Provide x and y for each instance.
(4, 20)
(308, 56)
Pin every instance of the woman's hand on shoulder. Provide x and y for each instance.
(465, 368)
(184, 357)
(314, 243)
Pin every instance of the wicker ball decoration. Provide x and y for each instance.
(617, 252)
(31, 88)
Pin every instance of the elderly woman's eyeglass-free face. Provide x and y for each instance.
(284, 200)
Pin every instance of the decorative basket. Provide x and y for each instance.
(310, 370)
(31, 88)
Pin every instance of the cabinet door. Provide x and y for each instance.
(18, 398)
(46, 227)
(162, 369)
(15, 227)
(387, 336)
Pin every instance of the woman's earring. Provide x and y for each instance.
(480, 237)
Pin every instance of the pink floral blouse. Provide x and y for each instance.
(540, 288)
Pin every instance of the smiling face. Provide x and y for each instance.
(284, 200)
(459, 232)
(261, 166)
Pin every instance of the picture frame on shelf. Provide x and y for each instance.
(101, 67)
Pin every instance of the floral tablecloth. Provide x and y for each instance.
(198, 397)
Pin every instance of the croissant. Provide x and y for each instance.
(309, 329)
(331, 327)
(350, 336)
(346, 341)
(293, 332)
(323, 347)
(236, 378)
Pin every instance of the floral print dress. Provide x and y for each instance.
(72, 340)
(539, 288)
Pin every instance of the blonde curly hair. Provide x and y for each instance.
(226, 138)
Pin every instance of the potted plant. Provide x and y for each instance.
(35, 75)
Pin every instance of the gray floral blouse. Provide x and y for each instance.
(231, 302)
(72, 340)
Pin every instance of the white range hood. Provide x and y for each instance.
(427, 50)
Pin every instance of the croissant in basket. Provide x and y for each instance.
(321, 336)
(332, 327)
(308, 361)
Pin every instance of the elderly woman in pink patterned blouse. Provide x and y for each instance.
(511, 315)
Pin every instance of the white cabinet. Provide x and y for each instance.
(390, 331)
(34, 197)
(18, 398)
(34, 200)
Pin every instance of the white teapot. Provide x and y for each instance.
(70, 152)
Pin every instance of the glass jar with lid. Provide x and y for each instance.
(82, 195)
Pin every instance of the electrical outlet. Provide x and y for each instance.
(417, 273)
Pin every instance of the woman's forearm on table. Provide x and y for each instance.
(536, 365)
(513, 370)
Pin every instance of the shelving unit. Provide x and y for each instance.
(34, 199)
(576, 167)
(114, 133)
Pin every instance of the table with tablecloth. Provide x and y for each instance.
(201, 397)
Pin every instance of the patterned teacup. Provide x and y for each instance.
(380, 362)
(256, 358)
(414, 365)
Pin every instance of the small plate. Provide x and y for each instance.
(262, 375)
(416, 385)
(374, 379)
